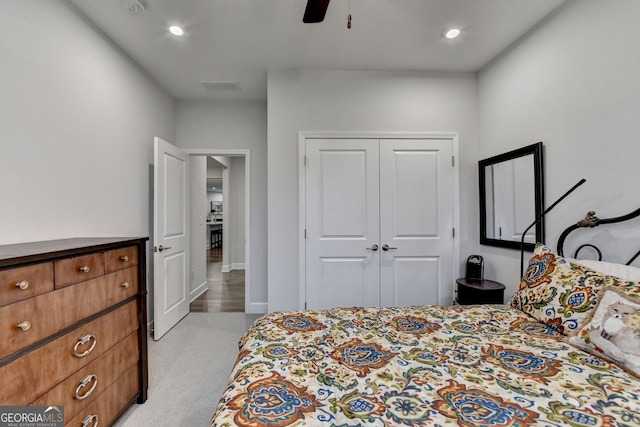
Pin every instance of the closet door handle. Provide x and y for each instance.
(373, 247)
(386, 247)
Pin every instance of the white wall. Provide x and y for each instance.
(78, 121)
(235, 125)
(199, 235)
(355, 101)
(236, 212)
(574, 84)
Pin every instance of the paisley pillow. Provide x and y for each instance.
(612, 269)
(562, 294)
(613, 330)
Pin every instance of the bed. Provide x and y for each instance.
(534, 361)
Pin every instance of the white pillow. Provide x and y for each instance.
(611, 269)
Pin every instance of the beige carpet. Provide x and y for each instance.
(188, 371)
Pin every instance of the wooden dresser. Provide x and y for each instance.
(73, 326)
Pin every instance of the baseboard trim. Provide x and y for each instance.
(234, 266)
(257, 308)
(237, 265)
(201, 289)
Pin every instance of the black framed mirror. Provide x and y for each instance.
(512, 197)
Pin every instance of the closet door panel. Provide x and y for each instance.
(416, 221)
(342, 221)
(413, 280)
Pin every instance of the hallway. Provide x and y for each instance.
(226, 290)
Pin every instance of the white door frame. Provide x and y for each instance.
(246, 153)
(302, 138)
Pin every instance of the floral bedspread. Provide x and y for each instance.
(468, 366)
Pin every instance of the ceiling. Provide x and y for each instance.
(240, 40)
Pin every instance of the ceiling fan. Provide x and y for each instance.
(315, 11)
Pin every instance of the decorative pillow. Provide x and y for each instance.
(561, 294)
(611, 269)
(613, 330)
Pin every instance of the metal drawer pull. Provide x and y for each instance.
(86, 380)
(25, 326)
(386, 247)
(84, 269)
(23, 284)
(373, 247)
(82, 341)
(125, 285)
(124, 258)
(90, 419)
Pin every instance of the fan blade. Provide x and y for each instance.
(315, 11)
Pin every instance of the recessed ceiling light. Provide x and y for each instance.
(451, 33)
(176, 31)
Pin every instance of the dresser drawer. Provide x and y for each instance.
(78, 269)
(85, 385)
(21, 283)
(118, 259)
(106, 407)
(56, 360)
(26, 322)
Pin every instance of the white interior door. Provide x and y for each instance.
(342, 223)
(416, 222)
(379, 222)
(170, 237)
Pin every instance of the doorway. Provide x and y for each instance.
(220, 235)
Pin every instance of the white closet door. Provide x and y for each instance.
(363, 196)
(416, 222)
(342, 222)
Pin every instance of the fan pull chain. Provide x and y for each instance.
(349, 15)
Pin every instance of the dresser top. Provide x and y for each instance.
(25, 253)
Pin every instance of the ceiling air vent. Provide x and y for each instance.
(222, 86)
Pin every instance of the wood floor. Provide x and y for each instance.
(226, 290)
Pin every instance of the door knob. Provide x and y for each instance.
(373, 247)
(161, 248)
(386, 247)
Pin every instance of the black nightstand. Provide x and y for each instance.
(479, 291)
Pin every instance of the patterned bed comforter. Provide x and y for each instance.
(468, 366)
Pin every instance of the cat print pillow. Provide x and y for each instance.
(613, 331)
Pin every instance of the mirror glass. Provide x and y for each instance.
(511, 198)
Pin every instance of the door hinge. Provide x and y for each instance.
(453, 161)
(306, 161)
(454, 233)
(305, 233)
(305, 305)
